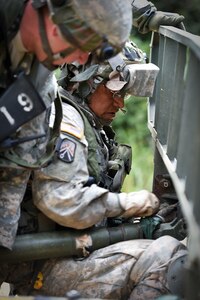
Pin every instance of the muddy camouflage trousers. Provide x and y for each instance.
(134, 269)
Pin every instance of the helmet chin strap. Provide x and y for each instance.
(43, 35)
(48, 61)
(46, 46)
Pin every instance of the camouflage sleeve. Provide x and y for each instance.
(59, 191)
(143, 10)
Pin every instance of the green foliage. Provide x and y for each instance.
(133, 124)
(142, 44)
(132, 129)
(57, 73)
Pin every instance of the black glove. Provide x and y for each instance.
(168, 212)
(167, 19)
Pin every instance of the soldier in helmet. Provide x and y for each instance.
(36, 37)
(80, 189)
(25, 44)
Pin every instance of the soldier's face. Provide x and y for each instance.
(32, 40)
(59, 45)
(104, 103)
(78, 55)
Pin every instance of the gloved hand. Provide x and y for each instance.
(165, 18)
(138, 204)
(168, 212)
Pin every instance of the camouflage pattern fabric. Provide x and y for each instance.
(88, 27)
(150, 273)
(142, 12)
(127, 270)
(12, 188)
(13, 177)
(58, 189)
(100, 11)
(31, 151)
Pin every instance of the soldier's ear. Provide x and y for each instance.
(54, 30)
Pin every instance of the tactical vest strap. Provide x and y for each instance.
(92, 161)
(119, 166)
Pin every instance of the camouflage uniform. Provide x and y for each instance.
(13, 177)
(80, 28)
(30, 152)
(128, 270)
(61, 192)
(134, 269)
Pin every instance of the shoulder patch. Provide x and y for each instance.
(66, 150)
(75, 131)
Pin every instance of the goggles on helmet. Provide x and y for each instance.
(124, 75)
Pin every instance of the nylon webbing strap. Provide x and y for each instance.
(93, 165)
(116, 61)
(45, 42)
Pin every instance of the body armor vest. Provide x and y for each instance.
(102, 149)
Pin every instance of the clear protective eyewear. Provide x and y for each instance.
(117, 94)
(121, 94)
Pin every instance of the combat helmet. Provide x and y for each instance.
(114, 73)
(91, 25)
